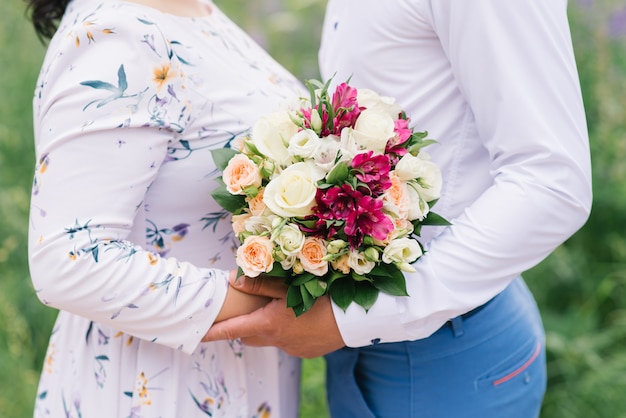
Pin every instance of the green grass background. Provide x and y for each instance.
(581, 287)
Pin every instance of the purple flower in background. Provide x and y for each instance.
(617, 24)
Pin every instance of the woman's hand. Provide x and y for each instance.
(239, 303)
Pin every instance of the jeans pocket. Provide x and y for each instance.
(520, 366)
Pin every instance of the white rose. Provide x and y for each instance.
(372, 100)
(304, 144)
(427, 174)
(289, 238)
(271, 134)
(372, 130)
(418, 208)
(401, 252)
(292, 193)
(358, 263)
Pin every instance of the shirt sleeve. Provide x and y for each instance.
(111, 98)
(514, 65)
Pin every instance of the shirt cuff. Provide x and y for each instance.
(382, 323)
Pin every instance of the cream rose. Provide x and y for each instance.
(271, 134)
(254, 256)
(427, 174)
(402, 252)
(372, 100)
(373, 129)
(241, 173)
(312, 256)
(292, 193)
(304, 144)
(289, 238)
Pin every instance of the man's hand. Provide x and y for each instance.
(312, 334)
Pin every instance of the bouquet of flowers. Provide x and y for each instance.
(330, 193)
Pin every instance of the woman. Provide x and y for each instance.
(125, 239)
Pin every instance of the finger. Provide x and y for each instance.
(237, 327)
(263, 286)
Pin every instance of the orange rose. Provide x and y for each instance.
(396, 198)
(255, 255)
(256, 205)
(240, 173)
(312, 256)
(239, 222)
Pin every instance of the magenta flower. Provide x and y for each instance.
(336, 202)
(373, 171)
(367, 218)
(345, 106)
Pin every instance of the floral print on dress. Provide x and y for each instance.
(125, 238)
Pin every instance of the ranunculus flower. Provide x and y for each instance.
(254, 256)
(371, 100)
(402, 252)
(427, 174)
(396, 199)
(271, 134)
(312, 256)
(292, 193)
(373, 129)
(240, 173)
(289, 238)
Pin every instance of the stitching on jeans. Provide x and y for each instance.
(521, 368)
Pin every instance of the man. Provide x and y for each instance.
(495, 83)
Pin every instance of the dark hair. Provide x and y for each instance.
(45, 15)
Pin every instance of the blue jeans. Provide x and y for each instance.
(488, 364)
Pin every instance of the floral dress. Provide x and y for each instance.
(125, 239)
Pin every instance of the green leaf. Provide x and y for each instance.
(294, 297)
(394, 284)
(278, 271)
(338, 174)
(316, 287)
(307, 299)
(222, 156)
(434, 219)
(365, 295)
(232, 203)
(302, 279)
(342, 292)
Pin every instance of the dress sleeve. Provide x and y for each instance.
(111, 97)
(514, 65)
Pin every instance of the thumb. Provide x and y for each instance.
(272, 287)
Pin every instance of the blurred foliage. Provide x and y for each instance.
(581, 287)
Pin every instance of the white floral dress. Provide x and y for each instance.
(125, 238)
